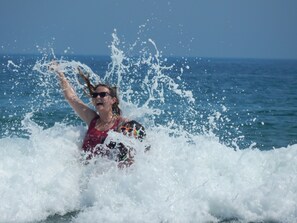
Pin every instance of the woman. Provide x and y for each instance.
(106, 117)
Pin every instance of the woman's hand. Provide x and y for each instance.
(54, 67)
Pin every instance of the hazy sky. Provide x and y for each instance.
(208, 28)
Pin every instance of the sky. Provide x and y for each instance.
(200, 28)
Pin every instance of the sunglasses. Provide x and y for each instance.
(101, 94)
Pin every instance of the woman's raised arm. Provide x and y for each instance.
(83, 111)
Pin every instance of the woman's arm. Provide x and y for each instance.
(83, 111)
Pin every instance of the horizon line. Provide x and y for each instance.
(163, 56)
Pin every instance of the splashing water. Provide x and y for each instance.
(145, 88)
(188, 175)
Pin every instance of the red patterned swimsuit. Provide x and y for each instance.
(94, 138)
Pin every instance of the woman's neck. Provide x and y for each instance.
(106, 117)
(105, 121)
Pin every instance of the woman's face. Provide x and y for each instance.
(102, 99)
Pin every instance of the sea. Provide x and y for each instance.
(222, 134)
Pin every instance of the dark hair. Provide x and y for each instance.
(92, 89)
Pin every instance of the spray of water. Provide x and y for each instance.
(146, 87)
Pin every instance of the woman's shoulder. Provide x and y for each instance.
(94, 120)
(120, 121)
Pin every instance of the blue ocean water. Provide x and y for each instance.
(257, 96)
(223, 134)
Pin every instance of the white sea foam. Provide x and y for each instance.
(40, 175)
(182, 178)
